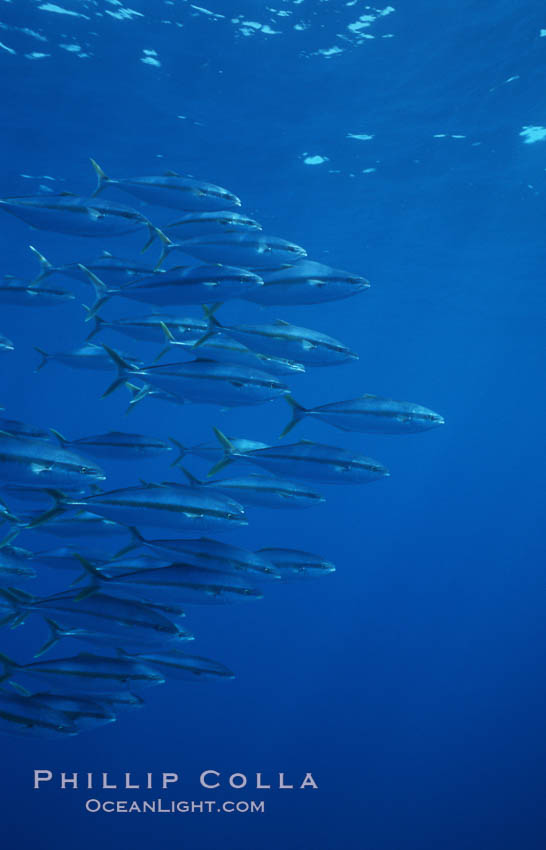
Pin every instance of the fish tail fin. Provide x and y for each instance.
(45, 358)
(95, 578)
(62, 440)
(103, 294)
(136, 540)
(102, 178)
(169, 336)
(123, 366)
(61, 505)
(191, 478)
(9, 665)
(55, 635)
(45, 266)
(99, 322)
(137, 394)
(167, 245)
(157, 233)
(13, 618)
(298, 413)
(181, 449)
(228, 452)
(11, 535)
(213, 323)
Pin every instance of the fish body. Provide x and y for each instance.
(180, 583)
(98, 618)
(83, 712)
(179, 507)
(211, 555)
(196, 284)
(85, 672)
(117, 445)
(369, 414)
(88, 356)
(293, 563)
(75, 216)
(306, 282)
(115, 271)
(181, 666)
(171, 190)
(230, 351)
(26, 460)
(198, 224)
(20, 294)
(204, 381)
(22, 715)
(281, 339)
(21, 429)
(149, 328)
(15, 565)
(262, 491)
(307, 460)
(249, 249)
(84, 526)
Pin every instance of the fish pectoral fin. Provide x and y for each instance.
(38, 468)
(94, 214)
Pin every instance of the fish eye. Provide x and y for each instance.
(86, 470)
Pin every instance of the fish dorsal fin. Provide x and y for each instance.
(107, 254)
(372, 395)
(191, 478)
(170, 173)
(282, 323)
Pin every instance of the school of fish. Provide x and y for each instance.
(128, 594)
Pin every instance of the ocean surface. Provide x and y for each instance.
(406, 144)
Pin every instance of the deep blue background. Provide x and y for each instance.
(410, 682)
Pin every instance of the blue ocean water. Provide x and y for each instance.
(405, 144)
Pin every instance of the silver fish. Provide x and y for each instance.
(231, 351)
(368, 414)
(182, 285)
(150, 328)
(98, 618)
(113, 270)
(203, 381)
(83, 712)
(85, 672)
(88, 356)
(307, 282)
(17, 293)
(79, 216)
(263, 491)
(170, 190)
(204, 223)
(21, 715)
(15, 565)
(179, 665)
(248, 249)
(293, 563)
(84, 526)
(178, 583)
(210, 554)
(27, 460)
(116, 445)
(308, 460)
(281, 339)
(156, 505)
(22, 429)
